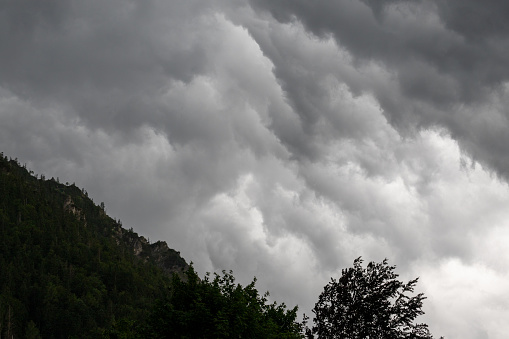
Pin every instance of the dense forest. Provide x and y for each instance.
(68, 270)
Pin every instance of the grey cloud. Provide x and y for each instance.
(445, 56)
(475, 20)
(261, 145)
(406, 30)
(102, 61)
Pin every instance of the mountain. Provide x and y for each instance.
(67, 269)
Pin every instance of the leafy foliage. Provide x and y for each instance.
(369, 303)
(219, 308)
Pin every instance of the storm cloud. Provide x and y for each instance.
(447, 62)
(281, 139)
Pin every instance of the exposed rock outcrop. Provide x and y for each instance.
(70, 206)
(159, 253)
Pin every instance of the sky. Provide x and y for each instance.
(281, 139)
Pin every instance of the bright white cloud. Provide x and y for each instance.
(466, 300)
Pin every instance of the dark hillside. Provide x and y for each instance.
(66, 268)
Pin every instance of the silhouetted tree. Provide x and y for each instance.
(369, 303)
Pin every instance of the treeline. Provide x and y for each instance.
(215, 307)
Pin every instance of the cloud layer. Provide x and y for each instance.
(281, 139)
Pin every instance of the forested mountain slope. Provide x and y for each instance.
(66, 268)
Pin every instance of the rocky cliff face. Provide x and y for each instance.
(158, 253)
(70, 207)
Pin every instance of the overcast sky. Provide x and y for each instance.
(281, 139)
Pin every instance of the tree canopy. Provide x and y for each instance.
(369, 303)
(219, 308)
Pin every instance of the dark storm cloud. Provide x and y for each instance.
(448, 57)
(398, 32)
(100, 60)
(472, 19)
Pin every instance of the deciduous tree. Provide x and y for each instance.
(369, 303)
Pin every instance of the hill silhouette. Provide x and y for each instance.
(67, 269)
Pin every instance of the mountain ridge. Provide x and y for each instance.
(62, 257)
